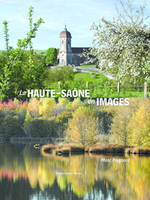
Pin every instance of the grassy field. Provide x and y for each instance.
(86, 65)
(98, 84)
(101, 86)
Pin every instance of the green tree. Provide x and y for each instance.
(59, 74)
(6, 35)
(40, 128)
(21, 70)
(121, 46)
(51, 56)
(62, 123)
(10, 126)
(30, 23)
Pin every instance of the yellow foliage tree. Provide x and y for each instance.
(130, 123)
(33, 107)
(63, 101)
(119, 125)
(139, 127)
(76, 103)
(82, 128)
(46, 107)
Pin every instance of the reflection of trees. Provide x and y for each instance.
(139, 177)
(83, 182)
(78, 171)
(39, 172)
(15, 191)
(116, 174)
(131, 179)
(11, 157)
(71, 177)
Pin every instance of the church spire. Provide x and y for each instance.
(65, 28)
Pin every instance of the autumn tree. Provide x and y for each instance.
(130, 124)
(33, 107)
(121, 117)
(119, 125)
(47, 107)
(76, 103)
(139, 128)
(62, 105)
(121, 46)
(82, 128)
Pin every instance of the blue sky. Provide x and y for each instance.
(78, 15)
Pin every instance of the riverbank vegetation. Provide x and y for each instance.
(77, 121)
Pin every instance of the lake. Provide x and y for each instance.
(27, 175)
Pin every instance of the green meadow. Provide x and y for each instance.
(99, 85)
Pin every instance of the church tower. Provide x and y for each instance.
(65, 51)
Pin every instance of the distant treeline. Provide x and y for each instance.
(77, 121)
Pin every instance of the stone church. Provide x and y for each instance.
(69, 55)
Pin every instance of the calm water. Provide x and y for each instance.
(26, 175)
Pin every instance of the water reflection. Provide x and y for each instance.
(26, 175)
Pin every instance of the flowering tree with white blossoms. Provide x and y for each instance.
(121, 47)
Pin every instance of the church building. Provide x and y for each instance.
(69, 55)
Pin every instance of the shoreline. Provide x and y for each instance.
(47, 146)
(68, 149)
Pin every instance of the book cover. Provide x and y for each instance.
(74, 100)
